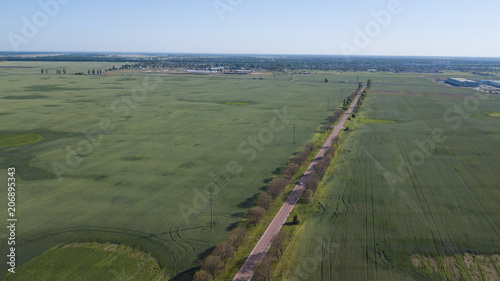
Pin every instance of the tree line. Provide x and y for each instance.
(215, 264)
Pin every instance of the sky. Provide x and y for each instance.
(321, 27)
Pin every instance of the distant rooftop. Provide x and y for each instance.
(462, 80)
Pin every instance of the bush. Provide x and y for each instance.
(291, 168)
(264, 270)
(276, 187)
(237, 237)
(213, 265)
(336, 116)
(203, 275)
(311, 184)
(307, 196)
(225, 251)
(264, 200)
(255, 215)
(310, 146)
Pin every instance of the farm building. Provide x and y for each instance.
(494, 83)
(461, 82)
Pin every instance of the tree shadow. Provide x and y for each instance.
(238, 215)
(203, 255)
(249, 202)
(187, 275)
(268, 180)
(277, 171)
(232, 226)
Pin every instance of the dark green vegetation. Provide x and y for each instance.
(117, 166)
(417, 176)
(95, 262)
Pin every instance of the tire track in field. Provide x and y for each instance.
(333, 233)
(150, 238)
(473, 197)
(473, 184)
(346, 222)
(373, 226)
(466, 186)
(411, 175)
(173, 234)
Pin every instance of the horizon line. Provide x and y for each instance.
(12, 53)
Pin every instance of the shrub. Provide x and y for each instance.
(255, 215)
(276, 187)
(307, 196)
(264, 200)
(237, 237)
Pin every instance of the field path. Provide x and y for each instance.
(258, 253)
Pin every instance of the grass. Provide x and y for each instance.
(128, 184)
(237, 103)
(19, 139)
(91, 261)
(377, 213)
(374, 121)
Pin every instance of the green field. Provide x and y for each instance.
(95, 262)
(414, 194)
(128, 160)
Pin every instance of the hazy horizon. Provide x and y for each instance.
(389, 28)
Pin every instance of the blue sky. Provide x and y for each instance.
(416, 28)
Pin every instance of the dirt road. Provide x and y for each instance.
(257, 255)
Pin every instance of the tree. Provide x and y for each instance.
(264, 200)
(276, 187)
(237, 236)
(213, 265)
(331, 151)
(307, 196)
(88, 72)
(369, 83)
(42, 70)
(225, 251)
(286, 174)
(312, 182)
(93, 71)
(300, 158)
(255, 215)
(64, 71)
(310, 146)
(278, 244)
(202, 275)
(264, 270)
(326, 80)
(295, 220)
